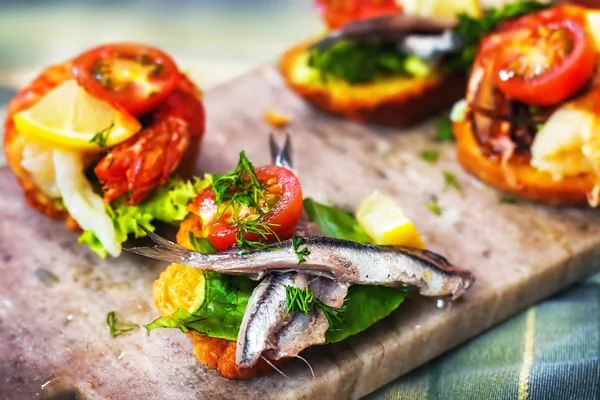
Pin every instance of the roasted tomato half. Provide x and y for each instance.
(544, 58)
(135, 76)
(279, 209)
(338, 13)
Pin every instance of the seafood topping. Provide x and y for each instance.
(264, 315)
(338, 259)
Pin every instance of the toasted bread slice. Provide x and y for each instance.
(393, 101)
(517, 176)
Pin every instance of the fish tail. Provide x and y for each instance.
(164, 250)
(281, 155)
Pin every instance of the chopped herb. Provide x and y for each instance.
(434, 207)
(451, 181)
(431, 156)
(116, 328)
(538, 127)
(297, 242)
(237, 189)
(364, 62)
(304, 301)
(240, 186)
(101, 137)
(200, 244)
(443, 129)
(262, 229)
(508, 199)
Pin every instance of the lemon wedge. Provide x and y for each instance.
(386, 223)
(70, 117)
(442, 8)
(593, 21)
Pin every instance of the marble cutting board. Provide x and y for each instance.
(55, 294)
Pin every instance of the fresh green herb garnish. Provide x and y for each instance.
(434, 207)
(360, 63)
(508, 199)
(101, 137)
(116, 328)
(474, 29)
(240, 186)
(262, 229)
(304, 301)
(297, 242)
(443, 129)
(200, 244)
(431, 156)
(451, 181)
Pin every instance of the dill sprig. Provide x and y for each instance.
(101, 137)
(297, 242)
(304, 301)
(260, 228)
(116, 328)
(240, 186)
(451, 182)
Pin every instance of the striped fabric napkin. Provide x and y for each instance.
(549, 351)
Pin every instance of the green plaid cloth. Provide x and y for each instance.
(549, 351)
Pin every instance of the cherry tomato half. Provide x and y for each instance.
(137, 77)
(544, 64)
(338, 13)
(281, 207)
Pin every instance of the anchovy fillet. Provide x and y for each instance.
(264, 315)
(301, 330)
(337, 259)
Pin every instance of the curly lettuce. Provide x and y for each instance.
(168, 203)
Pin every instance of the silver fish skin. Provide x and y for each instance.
(420, 36)
(302, 331)
(265, 315)
(342, 260)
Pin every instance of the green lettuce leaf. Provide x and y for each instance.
(365, 305)
(335, 222)
(168, 203)
(220, 315)
(361, 63)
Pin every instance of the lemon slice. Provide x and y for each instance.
(385, 222)
(442, 8)
(179, 286)
(593, 21)
(70, 117)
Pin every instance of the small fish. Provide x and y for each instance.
(423, 37)
(265, 315)
(301, 330)
(341, 260)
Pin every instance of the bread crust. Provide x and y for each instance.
(517, 176)
(15, 142)
(419, 100)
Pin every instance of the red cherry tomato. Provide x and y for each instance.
(137, 77)
(281, 207)
(338, 13)
(544, 58)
